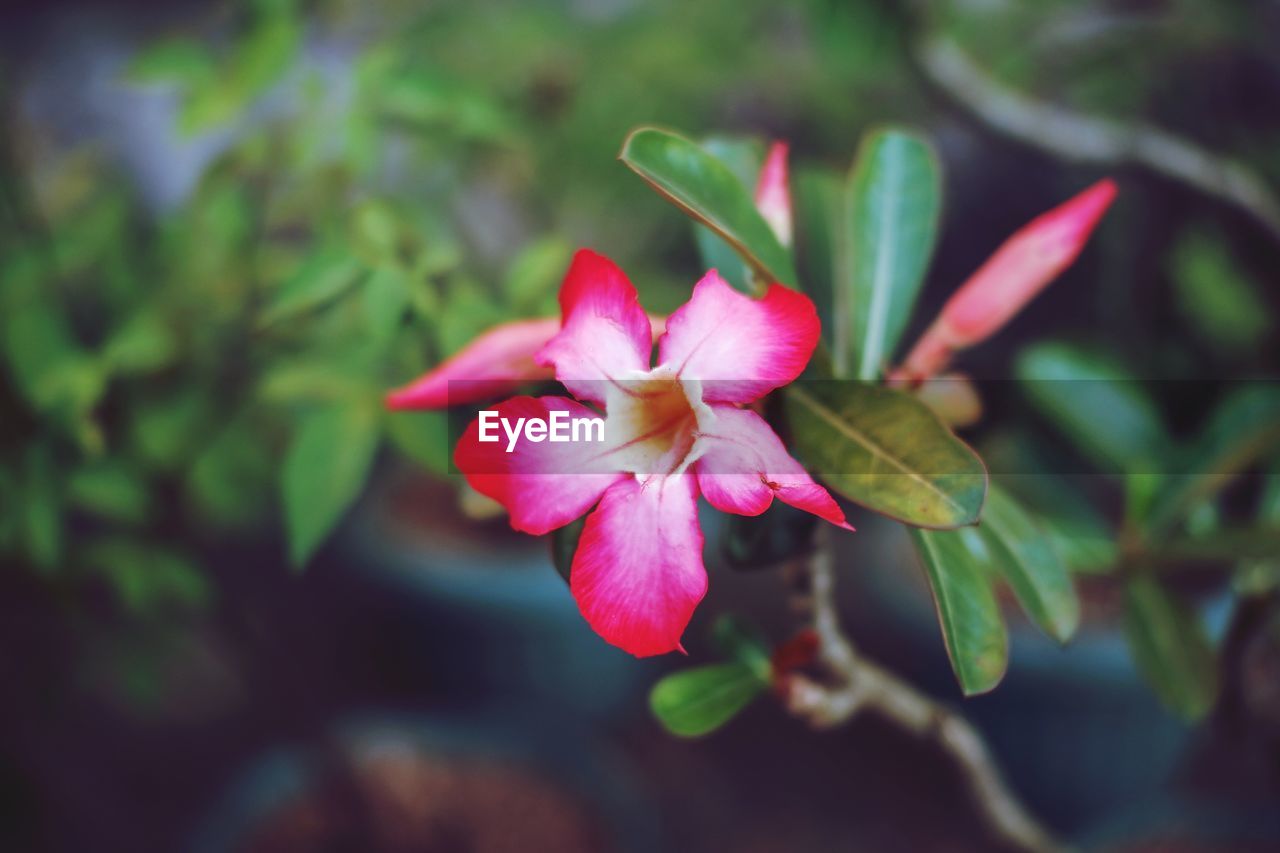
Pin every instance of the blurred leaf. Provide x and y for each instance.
(742, 643)
(1170, 648)
(1099, 406)
(698, 701)
(778, 534)
(111, 489)
(317, 380)
(468, 311)
(706, 189)
(178, 61)
(386, 299)
(886, 451)
(229, 479)
(375, 233)
(1024, 555)
(148, 577)
(1221, 301)
(425, 99)
(743, 156)
(41, 523)
(1244, 428)
(324, 471)
(325, 276)
(144, 344)
(564, 544)
(534, 275)
(892, 204)
(423, 437)
(957, 565)
(163, 428)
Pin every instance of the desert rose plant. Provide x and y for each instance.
(740, 366)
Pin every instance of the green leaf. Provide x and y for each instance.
(741, 642)
(178, 61)
(892, 203)
(533, 276)
(147, 577)
(385, 299)
(1243, 429)
(743, 156)
(1219, 298)
(324, 471)
(423, 437)
(1097, 404)
(325, 276)
(41, 523)
(1024, 555)
(816, 196)
(957, 565)
(886, 451)
(111, 489)
(707, 190)
(144, 344)
(1170, 648)
(699, 701)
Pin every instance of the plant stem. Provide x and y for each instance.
(862, 685)
(1092, 139)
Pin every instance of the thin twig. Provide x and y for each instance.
(860, 684)
(1093, 139)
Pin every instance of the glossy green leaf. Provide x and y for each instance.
(1171, 649)
(707, 190)
(892, 204)
(1243, 429)
(324, 471)
(886, 451)
(743, 156)
(325, 276)
(816, 196)
(1097, 404)
(1025, 557)
(957, 564)
(698, 701)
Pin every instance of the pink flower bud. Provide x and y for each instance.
(773, 195)
(1022, 267)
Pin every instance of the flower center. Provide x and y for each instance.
(653, 421)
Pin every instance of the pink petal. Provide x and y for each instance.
(637, 574)
(491, 365)
(1022, 267)
(606, 334)
(773, 196)
(744, 465)
(740, 348)
(543, 485)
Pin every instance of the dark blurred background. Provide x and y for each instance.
(227, 227)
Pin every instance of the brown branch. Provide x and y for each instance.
(860, 684)
(1093, 139)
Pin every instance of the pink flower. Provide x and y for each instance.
(672, 432)
(1022, 267)
(773, 193)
